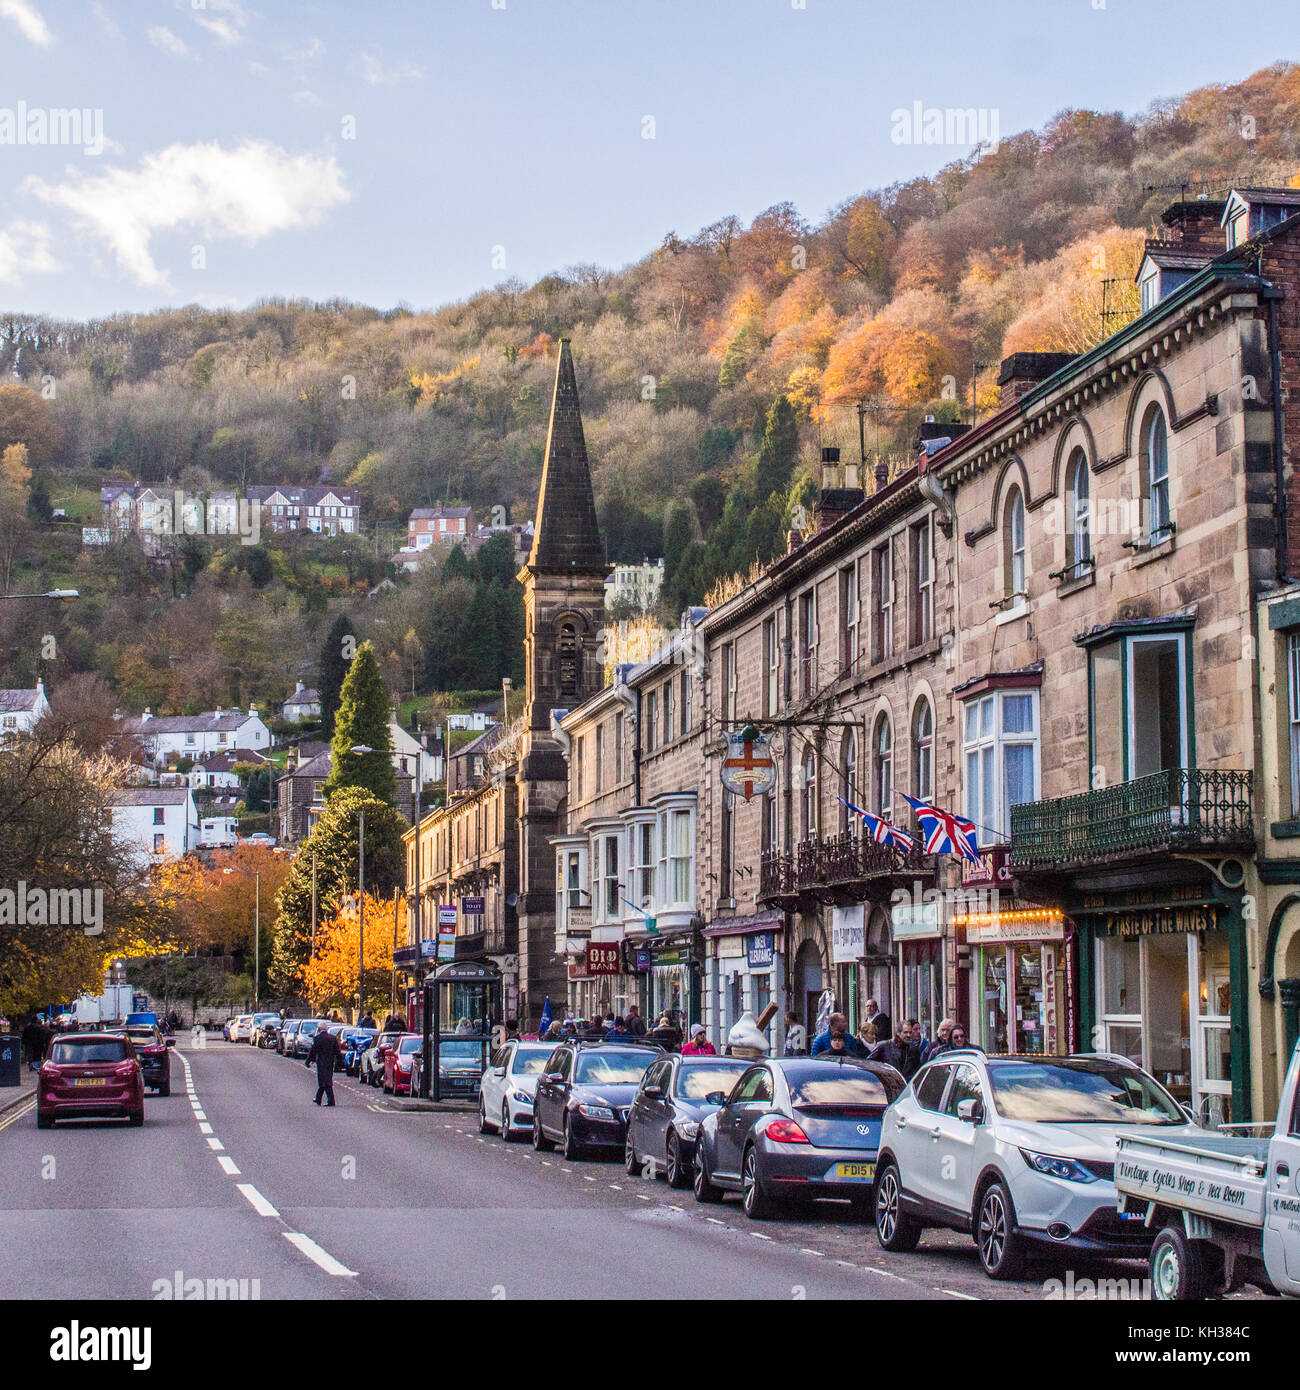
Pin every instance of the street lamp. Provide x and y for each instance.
(360, 750)
(59, 595)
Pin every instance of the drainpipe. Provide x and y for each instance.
(1272, 294)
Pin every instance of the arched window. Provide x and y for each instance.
(1013, 544)
(923, 751)
(850, 774)
(1155, 476)
(810, 795)
(1078, 515)
(882, 767)
(568, 653)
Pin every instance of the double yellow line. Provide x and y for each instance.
(18, 1112)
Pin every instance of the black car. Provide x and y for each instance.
(152, 1054)
(672, 1100)
(586, 1093)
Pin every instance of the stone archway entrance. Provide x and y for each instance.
(808, 980)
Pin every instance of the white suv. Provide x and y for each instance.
(1018, 1151)
(506, 1092)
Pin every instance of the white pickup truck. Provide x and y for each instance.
(1227, 1209)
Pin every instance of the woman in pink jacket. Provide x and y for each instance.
(699, 1045)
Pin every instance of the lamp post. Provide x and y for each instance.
(360, 750)
(59, 595)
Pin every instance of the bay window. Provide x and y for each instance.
(1001, 758)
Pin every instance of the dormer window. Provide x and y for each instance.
(1250, 211)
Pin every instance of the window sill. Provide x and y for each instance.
(1149, 554)
(1285, 830)
(1081, 581)
(1011, 615)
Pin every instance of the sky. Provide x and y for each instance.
(388, 151)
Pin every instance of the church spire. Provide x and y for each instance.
(566, 535)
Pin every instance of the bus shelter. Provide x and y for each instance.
(462, 1003)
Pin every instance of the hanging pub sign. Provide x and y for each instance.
(748, 769)
(602, 958)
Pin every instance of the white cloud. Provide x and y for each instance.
(249, 192)
(28, 19)
(377, 75)
(106, 20)
(25, 250)
(171, 44)
(225, 20)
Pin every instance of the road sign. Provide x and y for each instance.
(447, 915)
(748, 769)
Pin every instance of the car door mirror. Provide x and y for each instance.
(553, 1078)
(499, 1073)
(971, 1112)
(653, 1093)
(716, 1098)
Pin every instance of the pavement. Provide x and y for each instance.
(237, 1176)
(13, 1096)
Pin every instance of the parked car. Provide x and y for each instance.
(370, 1069)
(228, 1025)
(584, 1096)
(261, 1022)
(151, 1051)
(354, 1042)
(259, 837)
(89, 1074)
(299, 1044)
(507, 1088)
(675, 1095)
(460, 1066)
(796, 1129)
(284, 1038)
(1242, 1196)
(1019, 1151)
(397, 1063)
(242, 1028)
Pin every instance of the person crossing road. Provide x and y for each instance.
(324, 1052)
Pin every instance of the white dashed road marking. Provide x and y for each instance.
(255, 1199)
(228, 1166)
(318, 1256)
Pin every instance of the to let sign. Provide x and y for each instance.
(472, 907)
(602, 958)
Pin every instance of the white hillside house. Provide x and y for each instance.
(21, 711)
(157, 822)
(164, 738)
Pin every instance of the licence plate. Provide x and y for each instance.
(852, 1172)
(90, 1081)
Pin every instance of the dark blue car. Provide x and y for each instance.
(796, 1129)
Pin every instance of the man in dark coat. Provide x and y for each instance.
(324, 1052)
(900, 1052)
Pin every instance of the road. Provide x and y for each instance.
(238, 1176)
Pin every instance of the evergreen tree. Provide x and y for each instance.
(335, 658)
(678, 535)
(776, 453)
(363, 718)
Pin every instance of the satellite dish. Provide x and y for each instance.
(511, 899)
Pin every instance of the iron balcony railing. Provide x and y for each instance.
(1180, 808)
(834, 860)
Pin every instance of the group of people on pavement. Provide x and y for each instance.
(624, 1028)
(905, 1048)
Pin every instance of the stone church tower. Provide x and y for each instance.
(564, 615)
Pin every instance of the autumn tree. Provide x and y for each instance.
(25, 419)
(329, 976)
(15, 528)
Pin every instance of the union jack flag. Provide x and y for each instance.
(881, 830)
(945, 833)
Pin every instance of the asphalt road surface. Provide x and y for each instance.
(238, 1176)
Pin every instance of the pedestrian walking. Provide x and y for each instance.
(368, 1021)
(959, 1040)
(35, 1037)
(873, 1014)
(796, 1037)
(635, 1023)
(942, 1041)
(667, 1035)
(699, 1045)
(619, 1032)
(324, 1052)
(900, 1052)
(837, 1040)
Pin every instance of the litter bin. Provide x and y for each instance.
(11, 1060)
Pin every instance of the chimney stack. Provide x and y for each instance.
(1023, 371)
(1195, 224)
(839, 493)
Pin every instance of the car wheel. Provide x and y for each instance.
(1001, 1250)
(572, 1149)
(895, 1230)
(507, 1134)
(136, 1117)
(1182, 1270)
(705, 1190)
(541, 1143)
(631, 1164)
(483, 1126)
(44, 1121)
(679, 1175)
(758, 1205)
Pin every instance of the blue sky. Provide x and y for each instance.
(387, 151)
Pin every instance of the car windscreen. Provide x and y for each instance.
(144, 1037)
(457, 1051)
(409, 1045)
(834, 1087)
(309, 1025)
(697, 1082)
(96, 1050)
(530, 1061)
(265, 1018)
(612, 1068)
(1080, 1093)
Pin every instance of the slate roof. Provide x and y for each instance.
(18, 701)
(212, 721)
(149, 796)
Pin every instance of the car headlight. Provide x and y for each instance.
(596, 1112)
(521, 1097)
(1067, 1168)
(688, 1129)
